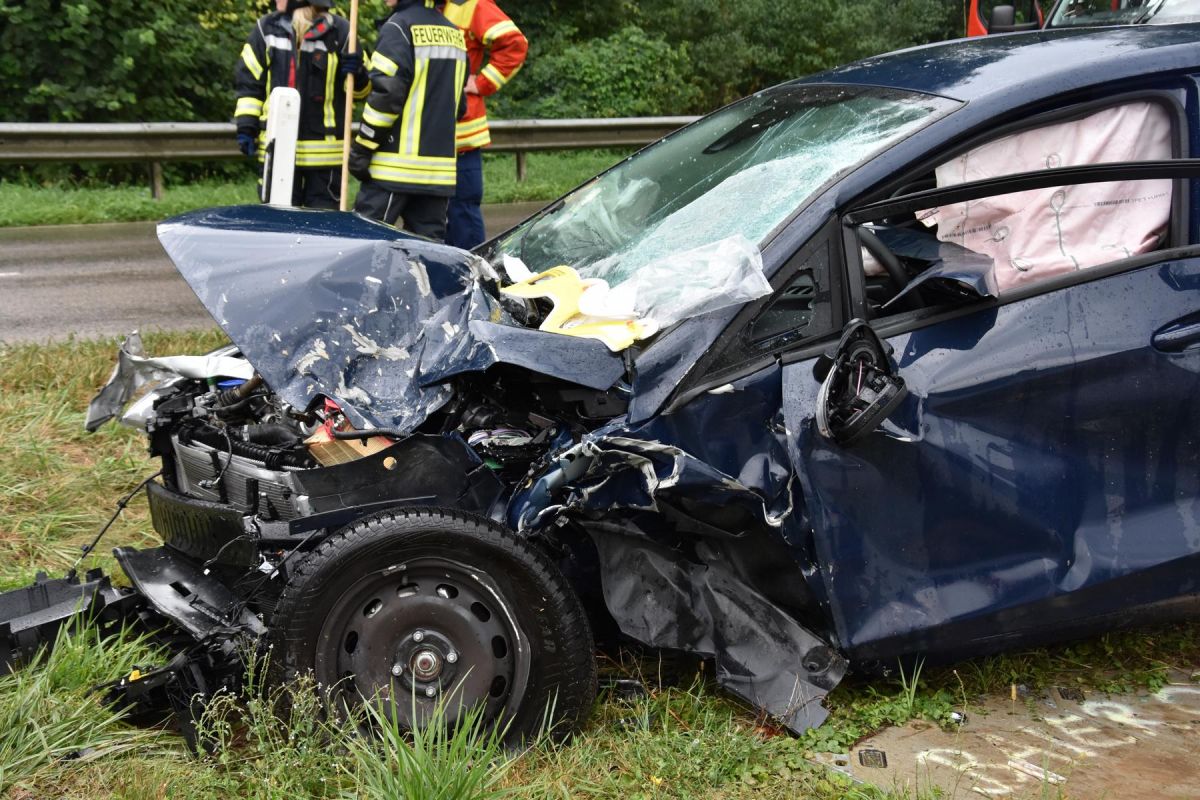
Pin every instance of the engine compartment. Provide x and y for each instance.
(288, 471)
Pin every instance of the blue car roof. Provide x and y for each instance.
(1012, 69)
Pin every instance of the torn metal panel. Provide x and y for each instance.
(586, 362)
(337, 305)
(710, 552)
(663, 599)
(327, 304)
(1012, 487)
(135, 370)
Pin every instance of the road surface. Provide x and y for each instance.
(103, 280)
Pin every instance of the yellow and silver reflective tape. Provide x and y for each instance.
(248, 107)
(498, 30)
(471, 126)
(473, 140)
(251, 61)
(496, 76)
(318, 153)
(378, 119)
(331, 90)
(407, 176)
(384, 64)
(414, 109)
(425, 170)
(429, 163)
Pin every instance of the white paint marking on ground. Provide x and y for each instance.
(10, 274)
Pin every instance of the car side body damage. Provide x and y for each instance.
(900, 451)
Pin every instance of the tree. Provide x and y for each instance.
(118, 60)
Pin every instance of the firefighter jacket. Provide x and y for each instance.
(418, 76)
(269, 59)
(491, 34)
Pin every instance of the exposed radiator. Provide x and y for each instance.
(248, 486)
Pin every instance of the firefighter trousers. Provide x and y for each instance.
(465, 226)
(423, 214)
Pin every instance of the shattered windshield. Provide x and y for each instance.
(735, 175)
(1124, 12)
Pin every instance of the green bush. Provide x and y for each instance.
(625, 74)
(119, 60)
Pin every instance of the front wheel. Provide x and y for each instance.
(419, 605)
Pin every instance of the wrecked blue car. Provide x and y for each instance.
(899, 360)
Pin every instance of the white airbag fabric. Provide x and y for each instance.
(1040, 233)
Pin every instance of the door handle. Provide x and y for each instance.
(1177, 336)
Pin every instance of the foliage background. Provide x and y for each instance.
(172, 60)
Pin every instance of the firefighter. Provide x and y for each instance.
(304, 46)
(404, 151)
(491, 34)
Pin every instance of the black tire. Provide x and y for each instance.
(412, 601)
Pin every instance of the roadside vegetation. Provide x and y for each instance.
(681, 739)
(25, 200)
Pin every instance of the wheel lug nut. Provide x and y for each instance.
(452, 656)
(430, 691)
(397, 669)
(419, 636)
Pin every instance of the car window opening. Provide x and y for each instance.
(1001, 242)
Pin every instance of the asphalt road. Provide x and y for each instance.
(100, 280)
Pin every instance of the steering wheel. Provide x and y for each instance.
(891, 264)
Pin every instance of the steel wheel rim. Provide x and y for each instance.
(421, 632)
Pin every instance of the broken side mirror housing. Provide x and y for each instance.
(860, 388)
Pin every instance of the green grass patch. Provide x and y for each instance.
(549, 176)
(67, 205)
(684, 739)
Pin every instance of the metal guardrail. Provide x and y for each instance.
(151, 142)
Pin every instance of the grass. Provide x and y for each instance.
(684, 739)
(549, 175)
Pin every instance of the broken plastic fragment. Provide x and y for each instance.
(561, 285)
(515, 269)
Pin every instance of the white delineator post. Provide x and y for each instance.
(283, 125)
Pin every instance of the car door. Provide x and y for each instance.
(1043, 471)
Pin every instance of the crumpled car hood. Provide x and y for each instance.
(338, 305)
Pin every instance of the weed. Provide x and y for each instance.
(463, 760)
(50, 722)
(58, 485)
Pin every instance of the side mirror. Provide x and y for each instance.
(860, 389)
(1003, 20)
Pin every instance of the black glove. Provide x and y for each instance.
(360, 161)
(248, 144)
(349, 64)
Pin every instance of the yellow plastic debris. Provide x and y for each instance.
(616, 333)
(136, 675)
(563, 286)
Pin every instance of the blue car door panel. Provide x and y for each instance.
(1047, 447)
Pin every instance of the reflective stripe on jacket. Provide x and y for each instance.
(269, 59)
(489, 32)
(418, 72)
